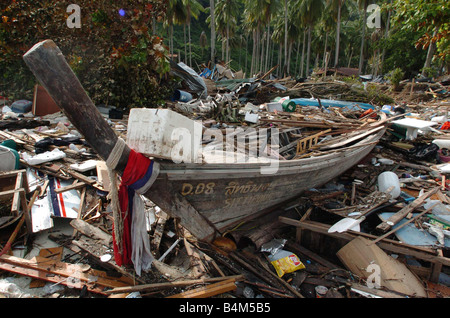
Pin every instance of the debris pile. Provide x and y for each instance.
(380, 230)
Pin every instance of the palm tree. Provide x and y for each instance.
(326, 26)
(193, 9)
(226, 13)
(309, 12)
(285, 36)
(386, 32)
(362, 5)
(175, 14)
(269, 8)
(213, 31)
(253, 20)
(203, 40)
(337, 4)
(285, 39)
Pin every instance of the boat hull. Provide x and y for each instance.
(227, 194)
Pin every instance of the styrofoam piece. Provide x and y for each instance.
(84, 166)
(47, 156)
(165, 134)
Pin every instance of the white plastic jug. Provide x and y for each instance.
(388, 179)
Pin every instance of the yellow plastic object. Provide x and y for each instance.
(286, 262)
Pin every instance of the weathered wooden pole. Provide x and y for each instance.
(48, 64)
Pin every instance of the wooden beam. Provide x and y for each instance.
(16, 198)
(180, 283)
(403, 225)
(72, 275)
(418, 252)
(80, 208)
(75, 186)
(159, 231)
(92, 231)
(397, 217)
(208, 291)
(48, 64)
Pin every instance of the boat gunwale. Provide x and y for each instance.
(174, 168)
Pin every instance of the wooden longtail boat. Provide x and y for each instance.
(209, 198)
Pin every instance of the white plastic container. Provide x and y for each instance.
(388, 179)
(165, 134)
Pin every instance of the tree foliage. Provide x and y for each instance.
(114, 53)
(429, 18)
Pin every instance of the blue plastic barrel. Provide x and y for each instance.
(182, 96)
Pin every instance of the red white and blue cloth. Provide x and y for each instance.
(138, 176)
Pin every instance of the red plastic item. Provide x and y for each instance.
(446, 126)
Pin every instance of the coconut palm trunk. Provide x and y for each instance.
(285, 35)
(338, 34)
(308, 53)
(213, 32)
(361, 55)
(302, 64)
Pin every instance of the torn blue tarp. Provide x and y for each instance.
(332, 103)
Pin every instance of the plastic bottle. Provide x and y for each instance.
(388, 179)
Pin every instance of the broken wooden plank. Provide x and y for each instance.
(54, 253)
(24, 205)
(24, 218)
(49, 277)
(16, 198)
(178, 283)
(403, 225)
(209, 290)
(198, 268)
(81, 177)
(75, 186)
(72, 275)
(397, 217)
(80, 207)
(96, 250)
(92, 231)
(159, 231)
(422, 253)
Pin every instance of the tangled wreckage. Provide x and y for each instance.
(213, 180)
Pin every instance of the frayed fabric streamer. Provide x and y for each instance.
(131, 241)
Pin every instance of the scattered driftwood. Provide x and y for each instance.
(71, 275)
(174, 284)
